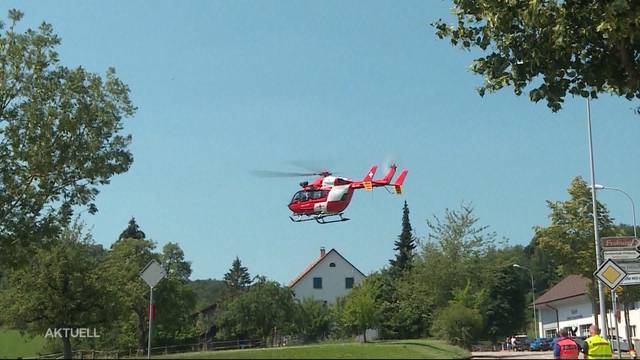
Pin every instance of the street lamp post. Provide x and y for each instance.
(635, 235)
(603, 316)
(533, 294)
(633, 206)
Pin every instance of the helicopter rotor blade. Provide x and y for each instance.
(275, 174)
(314, 166)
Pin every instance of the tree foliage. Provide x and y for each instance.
(264, 308)
(458, 324)
(132, 231)
(452, 253)
(361, 311)
(569, 239)
(237, 277)
(504, 312)
(175, 299)
(557, 47)
(62, 288)
(404, 245)
(60, 137)
(314, 320)
(122, 265)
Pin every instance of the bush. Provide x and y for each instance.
(457, 324)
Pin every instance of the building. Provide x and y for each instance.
(567, 305)
(328, 277)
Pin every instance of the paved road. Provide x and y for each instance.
(512, 355)
(486, 355)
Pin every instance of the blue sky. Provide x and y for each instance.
(227, 87)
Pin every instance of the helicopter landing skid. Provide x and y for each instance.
(320, 219)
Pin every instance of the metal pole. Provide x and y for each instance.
(150, 316)
(615, 321)
(533, 293)
(603, 316)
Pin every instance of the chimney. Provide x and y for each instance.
(322, 252)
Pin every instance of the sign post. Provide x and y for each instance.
(615, 320)
(612, 275)
(152, 274)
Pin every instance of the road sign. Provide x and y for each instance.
(631, 279)
(152, 273)
(610, 273)
(619, 242)
(626, 254)
(629, 267)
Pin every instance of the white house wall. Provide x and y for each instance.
(573, 312)
(577, 311)
(333, 279)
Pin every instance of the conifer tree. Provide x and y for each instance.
(404, 245)
(132, 231)
(238, 276)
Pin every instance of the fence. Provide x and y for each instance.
(159, 350)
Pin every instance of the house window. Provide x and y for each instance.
(551, 333)
(633, 331)
(584, 330)
(332, 265)
(317, 283)
(348, 283)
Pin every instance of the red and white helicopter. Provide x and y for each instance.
(328, 196)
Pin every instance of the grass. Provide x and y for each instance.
(13, 344)
(401, 349)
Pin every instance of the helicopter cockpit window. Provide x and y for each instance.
(305, 195)
(297, 196)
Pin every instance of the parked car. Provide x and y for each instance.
(522, 343)
(540, 344)
(624, 344)
(581, 341)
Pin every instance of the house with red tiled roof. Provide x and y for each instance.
(326, 278)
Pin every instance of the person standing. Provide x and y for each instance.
(597, 347)
(565, 347)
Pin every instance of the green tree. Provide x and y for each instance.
(60, 138)
(174, 263)
(132, 231)
(404, 245)
(121, 269)
(557, 47)
(264, 308)
(569, 239)
(458, 324)
(61, 289)
(314, 319)
(237, 278)
(504, 312)
(361, 311)
(175, 299)
(208, 291)
(452, 254)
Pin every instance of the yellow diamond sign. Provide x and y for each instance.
(610, 273)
